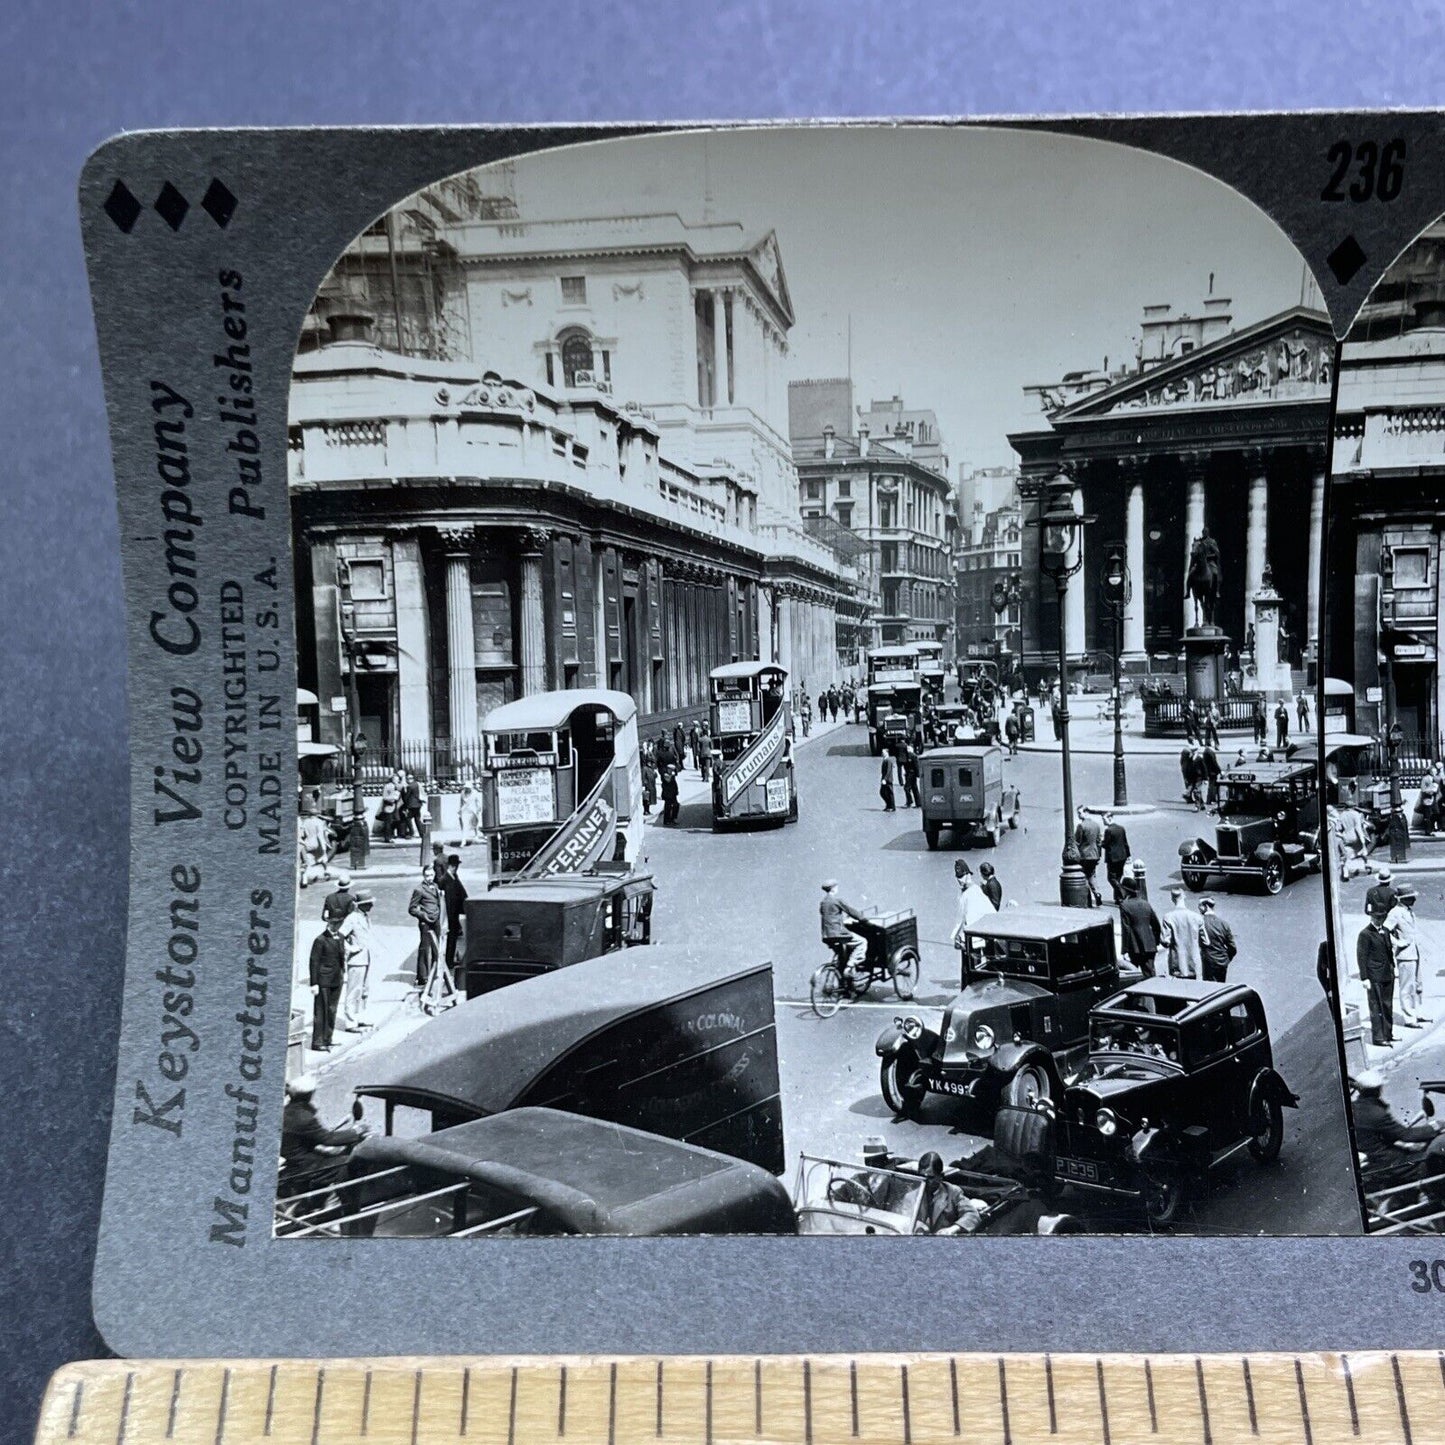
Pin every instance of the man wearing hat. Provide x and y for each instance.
(973, 902)
(1378, 1129)
(1140, 928)
(1183, 936)
(1116, 853)
(1375, 963)
(314, 1155)
(356, 932)
(1381, 897)
(338, 902)
(1217, 948)
(328, 975)
(1404, 934)
(835, 916)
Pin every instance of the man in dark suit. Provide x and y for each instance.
(338, 904)
(1375, 960)
(328, 974)
(1089, 838)
(454, 900)
(1382, 896)
(1140, 929)
(1116, 853)
(1218, 948)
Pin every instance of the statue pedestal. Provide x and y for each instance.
(1272, 677)
(1204, 664)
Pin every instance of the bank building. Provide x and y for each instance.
(1208, 425)
(528, 455)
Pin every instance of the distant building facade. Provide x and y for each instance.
(989, 554)
(900, 506)
(574, 472)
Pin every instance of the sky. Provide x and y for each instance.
(970, 262)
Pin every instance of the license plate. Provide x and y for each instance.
(947, 1086)
(1082, 1169)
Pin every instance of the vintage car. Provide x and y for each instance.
(520, 929)
(671, 1039)
(1179, 1079)
(963, 789)
(1030, 978)
(1354, 777)
(1268, 828)
(539, 1172)
(832, 1197)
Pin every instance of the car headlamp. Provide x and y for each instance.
(912, 1028)
(1106, 1121)
(983, 1038)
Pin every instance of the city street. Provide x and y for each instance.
(754, 895)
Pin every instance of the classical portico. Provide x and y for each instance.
(1232, 435)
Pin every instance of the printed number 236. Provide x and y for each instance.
(1378, 171)
(1427, 1276)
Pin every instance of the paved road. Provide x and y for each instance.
(756, 895)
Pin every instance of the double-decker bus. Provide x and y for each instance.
(753, 755)
(895, 694)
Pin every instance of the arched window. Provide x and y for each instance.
(576, 356)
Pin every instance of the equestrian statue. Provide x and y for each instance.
(1203, 579)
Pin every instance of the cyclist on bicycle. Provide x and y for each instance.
(836, 914)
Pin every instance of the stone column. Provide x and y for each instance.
(1074, 613)
(461, 641)
(1193, 522)
(785, 637)
(719, 349)
(1317, 536)
(1134, 558)
(1256, 534)
(532, 544)
(412, 641)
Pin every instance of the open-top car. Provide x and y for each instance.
(1179, 1079)
(1268, 828)
(834, 1197)
(1030, 977)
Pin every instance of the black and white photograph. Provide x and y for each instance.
(1384, 774)
(808, 648)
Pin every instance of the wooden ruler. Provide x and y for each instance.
(921, 1399)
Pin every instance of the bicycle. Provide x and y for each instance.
(892, 956)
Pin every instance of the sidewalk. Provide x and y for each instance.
(1408, 1041)
(1091, 733)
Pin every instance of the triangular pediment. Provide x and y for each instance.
(767, 261)
(1288, 357)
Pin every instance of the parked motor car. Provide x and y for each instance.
(1030, 977)
(1179, 1079)
(1268, 828)
(964, 790)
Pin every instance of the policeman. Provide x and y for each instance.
(1378, 1129)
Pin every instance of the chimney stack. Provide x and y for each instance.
(863, 439)
(828, 436)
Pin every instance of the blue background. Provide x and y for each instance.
(70, 75)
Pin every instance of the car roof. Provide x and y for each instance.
(485, 1053)
(746, 669)
(1190, 997)
(961, 751)
(897, 649)
(1041, 921)
(592, 1176)
(563, 887)
(555, 709)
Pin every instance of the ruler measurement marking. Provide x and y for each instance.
(1440, 1360)
(659, 1401)
(120, 1428)
(171, 1411)
(611, 1405)
(808, 1402)
(512, 1411)
(1203, 1400)
(221, 1408)
(467, 1392)
(853, 1393)
(1149, 1392)
(75, 1400)
(271, 1403)
(366, 1403)
(707, 1403)
(562, 1401)
(1400, 1401)
(316, 1407)
(907, 1412)
(952, 1385)
(1049, 1391)
(1249, 1398)
(1304, 1404)
(415, 1405)
(1003, 1401)
(1103, 1399)
(1350, 1395)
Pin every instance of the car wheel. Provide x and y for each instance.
(905, 973)
(993, 831)
(1195, 876)
(1164, 1194)
(1026, 1135)
(895, 1082)
(1027, 1086)
(931, 832)
(1267, 1130)
(1013, 818)
(1061, 1224)
(825, 991)
(1273, 875)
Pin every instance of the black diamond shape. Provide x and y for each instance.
(219, 204)
(1346, 259)
(172, 206)
(122, 207)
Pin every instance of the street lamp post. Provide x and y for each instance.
(1114, 589)
(1060, 556)
(360, 831)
